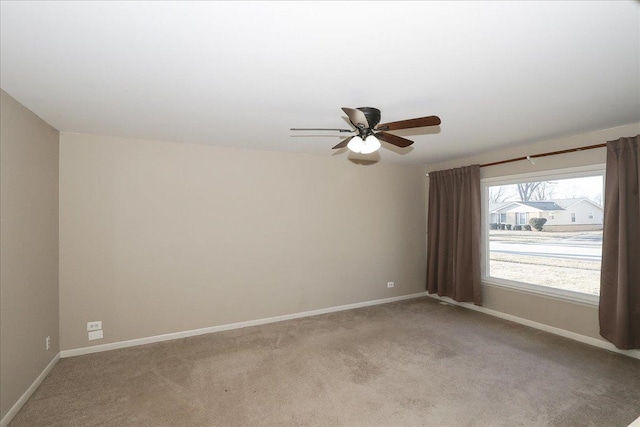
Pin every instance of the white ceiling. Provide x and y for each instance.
(241, 74)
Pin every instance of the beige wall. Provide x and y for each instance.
(29, 256)
(160, 237)
(575, 317)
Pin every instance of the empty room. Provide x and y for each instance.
(319, 213)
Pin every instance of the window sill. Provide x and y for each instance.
(559, 294)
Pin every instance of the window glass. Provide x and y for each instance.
(562, 254)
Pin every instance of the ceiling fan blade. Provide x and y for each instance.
(356, 117)
(393, 139)
(342, 143)
(411, 123)
(335, 130)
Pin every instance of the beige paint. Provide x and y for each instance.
(161, 237)
(575, 317)
(29, 257)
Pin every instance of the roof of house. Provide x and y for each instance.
(497, 206)
(543, 205)
(565, 203)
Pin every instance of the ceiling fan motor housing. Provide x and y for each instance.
(372, 115)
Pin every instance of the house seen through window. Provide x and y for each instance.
(546, 233)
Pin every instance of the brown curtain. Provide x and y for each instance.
(620, 273)
(453, 240)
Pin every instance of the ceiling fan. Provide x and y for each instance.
(368, 132)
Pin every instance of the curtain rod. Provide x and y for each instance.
(551, 153)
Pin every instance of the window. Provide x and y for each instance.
(521, 218)
(561, 258)
(502, 218)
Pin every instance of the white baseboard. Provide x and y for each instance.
(209, 330)
(551, 329)
(184, 334)
(27, 394)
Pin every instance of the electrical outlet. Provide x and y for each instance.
(95, 335)
(390, 284)
(94, 326)
(47, 343)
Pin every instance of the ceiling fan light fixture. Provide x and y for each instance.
(355, 144)
(366, 146)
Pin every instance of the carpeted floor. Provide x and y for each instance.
(410, 363)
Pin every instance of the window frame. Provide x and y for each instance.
(552, 174)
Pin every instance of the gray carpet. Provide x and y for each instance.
(410, 363)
